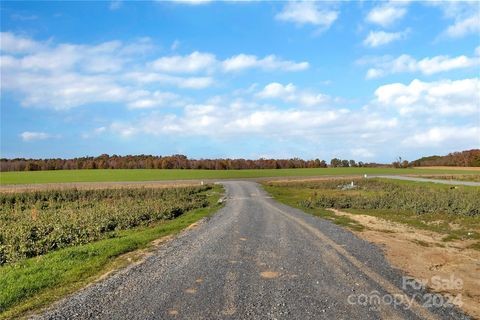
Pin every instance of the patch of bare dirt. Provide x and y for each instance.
(423, 255)
(269, 274)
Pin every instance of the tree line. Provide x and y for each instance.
(106, 161)
(467, 158)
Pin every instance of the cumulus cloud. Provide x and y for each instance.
(362, 153)
(380, 38)
(388, 13)
(271, 62)
(181, 82)
(194, 62)
(29, 136)
(393, 115)
(464, 26)
(405, 63)
(241, 118)
(289, 93)
(17, 44)
(308, 12)
(157, 99)
(63, 76)
(465, 16)
(197, 61)
(466, 136)
(444, 97)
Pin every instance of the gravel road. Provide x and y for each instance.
(254, 259)
(441, 181)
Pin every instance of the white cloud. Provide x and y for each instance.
(190, 2)
(277, 90)
(380, 38)
(271, 62)
(207, 62)
(109, 56)
(444, 97)
(157, 99)
(394, 115)
(428, 66)
(244, 118)
(289, 93)
(464, 26)
(465, 16)
(308, 12)
(194, 62)
(181, 82)
(63, 76)
(11, 43)
(387, 14)
(466, 136)
(374, 73)
(29, 136)
(362, 153)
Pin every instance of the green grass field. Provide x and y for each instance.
(104, 175)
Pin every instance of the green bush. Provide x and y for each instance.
(34, 223)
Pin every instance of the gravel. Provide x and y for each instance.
(254, 259)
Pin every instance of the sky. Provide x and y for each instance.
(364, 80)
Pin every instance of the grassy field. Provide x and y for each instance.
(453, 212)
(30, 283)
(103, 175)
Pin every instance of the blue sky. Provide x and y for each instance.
(360, 80)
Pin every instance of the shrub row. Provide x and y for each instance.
(34, 223)
(377, 194)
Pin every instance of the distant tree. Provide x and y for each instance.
(397, 163)
(335, 162)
